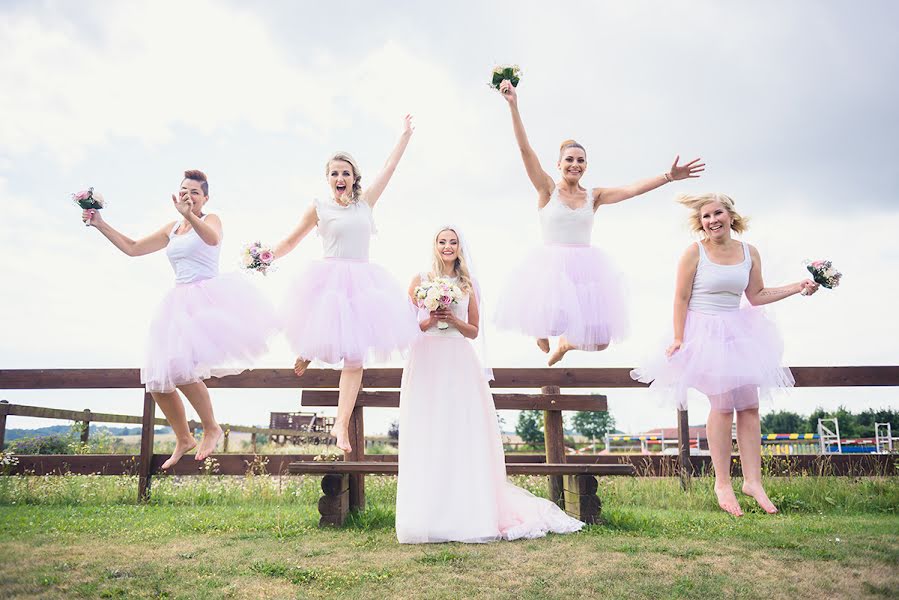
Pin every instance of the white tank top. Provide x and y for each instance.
(345, 230)
(192, 259)
(563, 225)
(718, 288)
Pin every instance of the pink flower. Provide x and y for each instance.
(82, 195)
(266, 256)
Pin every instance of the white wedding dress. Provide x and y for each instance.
(452, 476)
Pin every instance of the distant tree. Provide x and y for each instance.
(530, 426)
(393, 432)
(593, 424)
(784, 422)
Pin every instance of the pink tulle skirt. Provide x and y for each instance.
(347, 312)
(207, 328)
(574, 291)
(731, 357)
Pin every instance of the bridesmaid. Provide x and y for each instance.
(728, 352)
(575, 291)
(206, 321)
(451, 492)
(343, 310)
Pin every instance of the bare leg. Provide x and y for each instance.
(718, 431)
(350, 382)
(173, 409)
(565, 346)
(198, 396)
(543, 344)
(300, 366)
(748, 435)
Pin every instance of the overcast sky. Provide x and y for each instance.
(792, 105)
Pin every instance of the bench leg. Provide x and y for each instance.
(334, 506)
(581, 501)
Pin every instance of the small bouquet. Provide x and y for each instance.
(256, 257)
(89, 200)
(823, 273)
(437, 293)
(502, 72)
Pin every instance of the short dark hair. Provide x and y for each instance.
(198, 176)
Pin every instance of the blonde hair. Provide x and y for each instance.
(570, 144)
(695, 202)
(357, 174)
(460, 268)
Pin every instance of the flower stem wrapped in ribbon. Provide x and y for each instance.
(89, 200)
(823, 273)
(503, 72)
(437, 293)
(256, 257)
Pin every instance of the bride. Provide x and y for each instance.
(452, 476)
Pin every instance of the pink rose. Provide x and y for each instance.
(266, 256)
(83, 195)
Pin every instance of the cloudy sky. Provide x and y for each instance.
(793, 107)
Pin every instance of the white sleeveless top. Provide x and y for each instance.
(345, 230)
(563, 225)
(192, 259)
(460, 309)
(718, 288)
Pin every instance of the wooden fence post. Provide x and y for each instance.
(147, 430)
(253, 441)
(225, 441)
(85, 426)
(685, 465)
(4, 410)
(554, 438)
(357, 441)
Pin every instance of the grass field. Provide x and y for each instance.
(257, 537)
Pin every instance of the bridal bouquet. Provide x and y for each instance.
(256, 257)
(502, 72)
(89, 200)
(823, 273)
(437, 293)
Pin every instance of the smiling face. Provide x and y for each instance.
(572, 164)
(340, 178)
(194, 189)
(716, 220)
(446, 246)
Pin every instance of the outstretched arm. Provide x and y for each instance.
(155, 241)
(540, 179)
(683, 290)
(307, 222)
(374, 191)
(759, 295)
(691, 170)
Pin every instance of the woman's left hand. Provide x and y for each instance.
(183, 203)
(691, 170)
(807, 287)
(408, 127)
(446, 315)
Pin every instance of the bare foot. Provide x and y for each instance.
(758, 492)
(559, 353)
(543, 344)
(343, 438)
(207, 444)
(727, 500)
(181, 448)
(300, 366)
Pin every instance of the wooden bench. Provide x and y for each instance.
(572, 486)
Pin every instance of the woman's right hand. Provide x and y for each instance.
(673, 348)
(508, 91)
(91, 217)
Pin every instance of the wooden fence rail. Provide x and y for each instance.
(320, 386)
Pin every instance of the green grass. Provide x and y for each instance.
(255, 537)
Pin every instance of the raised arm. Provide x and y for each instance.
(540, 179)
(209, 229)
(683, 289)
(374, 191)
(307, 222)
(756, 292)
(611, 195)
(155, 241)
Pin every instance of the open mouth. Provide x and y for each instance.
(715, 227)
(341, 188)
